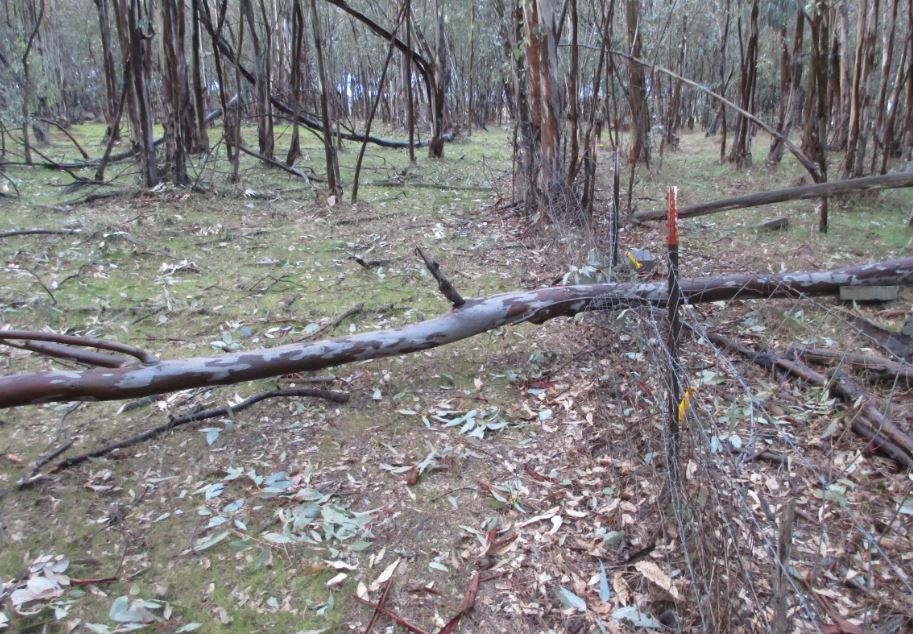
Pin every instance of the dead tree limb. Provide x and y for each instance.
(817, 190)
(336, 397)
(803, 158)
(71, 340)
(66, 133)
(868, 422)
(38, 232)
(895, 343)
(475, 316)
(873, 364)
(443, 284)
(278, 164)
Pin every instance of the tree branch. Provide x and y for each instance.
(475, 316)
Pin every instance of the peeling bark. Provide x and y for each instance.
(474, 317)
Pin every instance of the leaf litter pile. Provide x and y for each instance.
(515, 482)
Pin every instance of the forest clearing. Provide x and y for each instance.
(499, 391)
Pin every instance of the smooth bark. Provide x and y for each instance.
(473, 317)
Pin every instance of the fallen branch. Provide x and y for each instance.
(875, 364)
(818, 190)
(475, 316)
(869, 422)
(895, 343)
(70, 340)
(279, 164)
(338, 319)
(37, 232)
(443, 284)
(66, 133)
(393, 616)
(336, 397)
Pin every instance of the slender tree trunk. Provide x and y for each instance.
(111, 91)
(740, 154)
(265, 139)
(887, 57)
(135, 31)
(410, 106)
(790, 81)
(472, 56)
(294, 151)
(200, 136)
(904, 74)
(852, 160)
(335, 187)
(439, 87)
(370, 116)
(573, 114)
(723, 81)
(176, 89)
(27, 85)
(673, 112)
(637, 88)
(814, 136)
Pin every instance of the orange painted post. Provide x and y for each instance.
(675, 328)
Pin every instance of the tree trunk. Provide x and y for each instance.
(137, 379)
(335, 187)
(410, 106)
(853, 159)
(112, 130)
(470, 112)
(134, 32)
(27, 86)
(294, 150)
(177, 98)
(199, 140)
(887, 57)
(439, 87)
(790, 81)
(740, 154)
(573, 113)
(265, 141)
(637, 88)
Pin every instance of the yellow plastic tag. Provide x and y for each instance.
(634, 262)
(685, 403)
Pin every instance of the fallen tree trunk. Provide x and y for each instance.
(475, 316)
(818, 190)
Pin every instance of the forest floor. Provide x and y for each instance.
(527, 460)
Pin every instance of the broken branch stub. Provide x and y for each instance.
(475, 316)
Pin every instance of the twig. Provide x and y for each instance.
(469, 601)
(380, 604)
(443, 283)
(392, 615)
(368, 264)
(338, 319)
(48, 458)
(38, 232)
(41, 282)
(67, 133)
(337, 397)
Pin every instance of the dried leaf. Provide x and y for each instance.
(652, 573)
